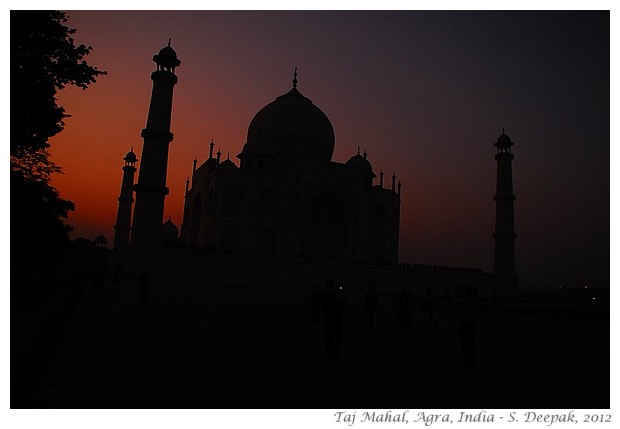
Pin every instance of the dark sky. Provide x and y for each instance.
(425, 93)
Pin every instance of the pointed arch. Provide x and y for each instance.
(229, 238)
(325, 227)
(232, 201)
(195, 221)
(376, 218)
(267, 205)
(266, 240)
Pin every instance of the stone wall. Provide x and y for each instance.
(243, 270)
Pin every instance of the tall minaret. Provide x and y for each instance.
(151, 189)
(504, 211)
(125, 201)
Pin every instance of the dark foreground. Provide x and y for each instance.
(209, 347)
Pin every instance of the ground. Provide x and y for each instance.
(214, 347)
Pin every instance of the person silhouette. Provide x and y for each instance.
(333, 310)
(97, 283)
(370, 307)
(404, 310)
(317, 302)
(427, 315)
(468, 306)
(144, 287)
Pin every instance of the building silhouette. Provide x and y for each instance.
(151, 188)
(122, 229)
(287, 197)
(287, 214)
(504, 211)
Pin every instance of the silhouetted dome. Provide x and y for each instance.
(101, 240)
(360, 163)
(167, 57)
(167, 52)
(503, 139)
(295, 128)
(170, 228)
(131, 157)
(256, 147)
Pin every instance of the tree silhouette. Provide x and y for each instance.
(44, 59)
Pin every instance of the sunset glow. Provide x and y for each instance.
(426, 94)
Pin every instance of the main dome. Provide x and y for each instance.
(295, 127)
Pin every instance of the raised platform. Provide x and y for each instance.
(214, 268)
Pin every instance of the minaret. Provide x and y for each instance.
(151, 189)
(504, 211)
(125, 201)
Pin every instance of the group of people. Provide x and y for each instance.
(332, 303)
(144, 287)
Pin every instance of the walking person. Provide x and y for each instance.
(370, 307)
(404, 311)
(426, 317)
(468, 307)
(333, 310)
(317, 303)
(144, 287)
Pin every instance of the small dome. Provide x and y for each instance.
(167, 57)
(360, 163)
(131, 157)
(256, 147)
(167, 52)
(100, 240)
(503, 140)
(170, 228)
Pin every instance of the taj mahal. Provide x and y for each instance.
(286, 215)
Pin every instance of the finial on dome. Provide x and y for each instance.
(358, 150)
(365, 154)
(169, 40)
(295, 78)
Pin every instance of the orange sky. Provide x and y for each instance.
(426, 94)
